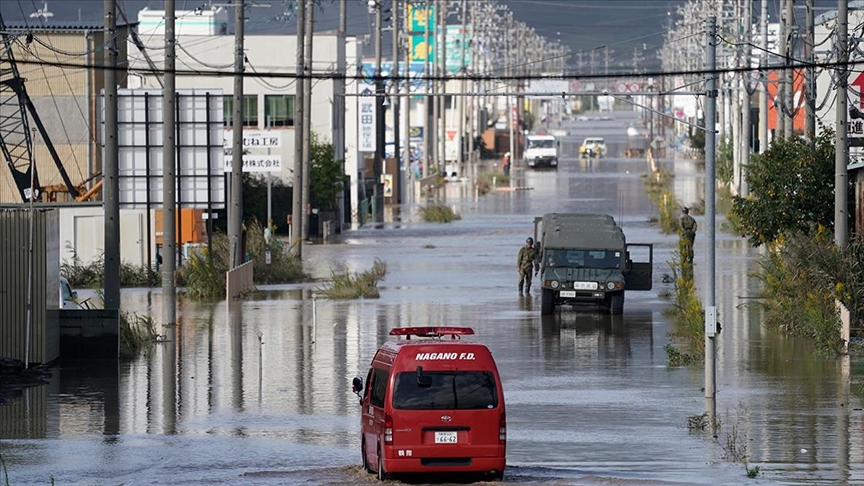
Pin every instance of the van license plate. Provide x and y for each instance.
(445, 437)
(568, 293)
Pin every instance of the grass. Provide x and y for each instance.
(487, 181)
(438, 213)
(657, 188)
(347, 285)
(687, 318)
(737, 440)
(136, 334)
(91, 275)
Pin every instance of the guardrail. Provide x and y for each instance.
(239, 281)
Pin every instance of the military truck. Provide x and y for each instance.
(585, 260)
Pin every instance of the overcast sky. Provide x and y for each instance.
(581, 24)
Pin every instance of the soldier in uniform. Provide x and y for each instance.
(688, 234)
(525, 265)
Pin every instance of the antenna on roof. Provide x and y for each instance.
(42, 12)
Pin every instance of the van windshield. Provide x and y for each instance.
(449, 390)
(595, 259)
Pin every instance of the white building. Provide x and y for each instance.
(207, 49)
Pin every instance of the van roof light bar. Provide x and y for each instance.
(431, 331)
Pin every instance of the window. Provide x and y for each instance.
(595, 259)
(368, 384)
(279, 110)
(447, 390)
(379, 388)
(250, 110)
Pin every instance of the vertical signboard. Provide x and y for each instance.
(416, 15)
(366, 118)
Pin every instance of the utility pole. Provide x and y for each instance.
(779, 102)
(710, 181)
(111, 188)
(436, 105)
(339, 142)
(307, 115)
(380, 112)
(463, 87)
(297, 179)
(442, 123)
(169, 164)
(789, 105)
(427, 136)
(810, 79)
(406, 192)
(735, 98)
(763, 78)
(235, 213)
(394, 86)
(841, 146)
(741, 180)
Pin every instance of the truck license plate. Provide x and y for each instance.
(445, 437)
(568, 293)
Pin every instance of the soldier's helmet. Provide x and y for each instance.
(530, 241)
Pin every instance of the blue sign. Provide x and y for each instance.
(415, 74)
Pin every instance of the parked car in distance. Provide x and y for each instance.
(593, 147)
(68, 297)
(432, 405)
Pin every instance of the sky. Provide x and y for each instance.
(583, 25)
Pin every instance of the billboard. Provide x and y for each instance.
(416, 15)
(199, 154)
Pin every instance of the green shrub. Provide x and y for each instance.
(801, 280)
(347, 286)
(91, 275)
(203, 275)
(438, 213)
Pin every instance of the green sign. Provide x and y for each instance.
(419, 51)
(416, 15)
(458, 44)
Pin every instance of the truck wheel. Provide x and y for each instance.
(382, 475)
(616, 303)
(547, 304)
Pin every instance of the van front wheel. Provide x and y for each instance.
(366, 466)
(382, 475)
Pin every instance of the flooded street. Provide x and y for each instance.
(590, 397)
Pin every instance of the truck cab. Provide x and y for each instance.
(541, 151)
(585, 259)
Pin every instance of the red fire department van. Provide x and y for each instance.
(433, 404)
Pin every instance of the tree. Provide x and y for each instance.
(791, 190)
(326, 176)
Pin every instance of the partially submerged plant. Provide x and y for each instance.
(136, 333)
(349, 285)
(438, 213)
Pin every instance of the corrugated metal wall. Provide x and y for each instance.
(14, 246)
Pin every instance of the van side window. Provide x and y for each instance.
(379, 388)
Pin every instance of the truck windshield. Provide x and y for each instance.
(595, 259)
(449, 390)
(540, 144)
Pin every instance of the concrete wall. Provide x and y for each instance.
(89, 334)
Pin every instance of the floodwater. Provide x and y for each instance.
(590, 398)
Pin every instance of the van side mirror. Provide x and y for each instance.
(74, 295)
(357, 385)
